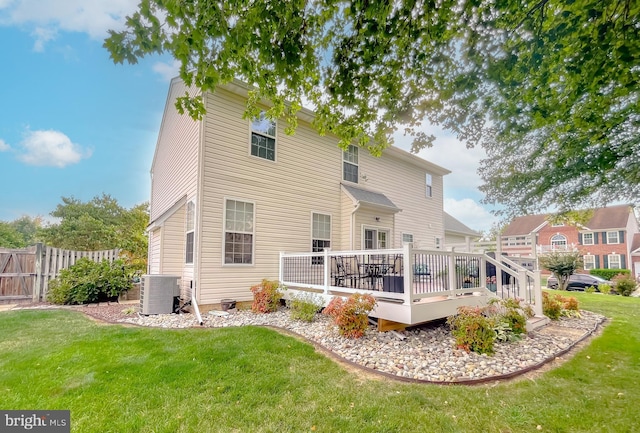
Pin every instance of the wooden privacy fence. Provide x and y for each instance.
(25, 273)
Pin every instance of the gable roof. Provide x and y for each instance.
(453, 225)
(359, 195)
(524, 225)
(614, 217)
(604, 218)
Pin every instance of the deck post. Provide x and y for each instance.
(37, 280)
(327, 270)
(522, 281)
(483, 271)
(452, 274)
(408, 259)
(537, 292)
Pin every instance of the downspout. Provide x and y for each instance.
(352, 222)
(195, 304)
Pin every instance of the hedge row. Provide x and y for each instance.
(608, 274)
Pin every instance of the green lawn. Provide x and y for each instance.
(119, 379)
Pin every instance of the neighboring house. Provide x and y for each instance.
(229, 194)
(608, 240)
(458, 234)
(635, 255)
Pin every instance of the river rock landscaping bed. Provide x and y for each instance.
(427, 352)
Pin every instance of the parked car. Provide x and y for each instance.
(580, 282)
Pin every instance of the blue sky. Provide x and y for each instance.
(72, 123)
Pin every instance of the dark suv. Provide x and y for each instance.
(580, 282)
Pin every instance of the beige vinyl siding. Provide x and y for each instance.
(305, 178)
(174, 167)
(404, 184)
(155, 245)
(453, 239)
(173, 245)
(366, 218)
(347, 207)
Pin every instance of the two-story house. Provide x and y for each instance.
(606, 240)
(229, 194)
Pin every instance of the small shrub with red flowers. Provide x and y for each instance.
(351, 316)
(266, 296)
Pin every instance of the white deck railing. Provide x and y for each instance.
(407, 276)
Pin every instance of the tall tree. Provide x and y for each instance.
(100, 224)
(21, 232)
(548, 87)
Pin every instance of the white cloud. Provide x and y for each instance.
(470, 213)
(42, 36)
(167, 71)
(47, 17)
(4, 146)
(51, 148)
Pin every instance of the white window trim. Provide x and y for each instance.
(428, 185)
(566, 242)
(187, 231)
(357, 164)
(407, 234)
(330, 228)
(593, 261)
(592, 238)
(275, 139)
(617, 238)
(378, 229)
(619, 256)
(224, 232)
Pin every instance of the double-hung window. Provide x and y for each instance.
(589, 261)
(612, 238)
(238, 232)
(263, 138)
(321, 236)
(350, 164)
(587, 239)
(190, 232)
(614, 261)
(429, 183)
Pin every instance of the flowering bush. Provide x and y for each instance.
(351, 316)
(266, 296)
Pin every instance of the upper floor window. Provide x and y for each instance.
(559, 242)
(238, 232)
(589, 261)
(612, 238)
(614, 261)
(190, 232)
(321, 236)
(350, 164)
(263, 138)
(429, 182)
(407, 238)
(587, 239)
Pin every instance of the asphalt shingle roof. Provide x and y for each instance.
(453, 225)
(369, 197)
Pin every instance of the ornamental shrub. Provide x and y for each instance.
(305, 306)
(608, 274)
(88, 281)
(604, 289)
(473, 330)
(554, 306)
(351, 316)
(624, 284)
(266, 296)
